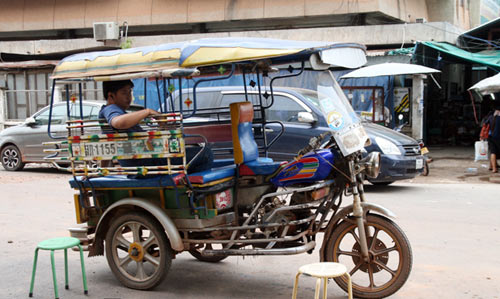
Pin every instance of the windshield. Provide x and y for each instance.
(342, 120)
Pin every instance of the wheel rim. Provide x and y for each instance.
(10, 158)
(385, 257)
(136, 251)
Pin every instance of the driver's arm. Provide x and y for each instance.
(126, 121)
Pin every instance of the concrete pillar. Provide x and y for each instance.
(417, 107)
(3, 108)
(57, 94)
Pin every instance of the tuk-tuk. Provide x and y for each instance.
(245, 203)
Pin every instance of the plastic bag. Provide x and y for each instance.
(481, 150)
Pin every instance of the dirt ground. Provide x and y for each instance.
(456, 165)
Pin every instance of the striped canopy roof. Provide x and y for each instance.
(189, 55)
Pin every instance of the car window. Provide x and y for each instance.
(89, 112)
(58, 116)
(203, 100)
(284, 109)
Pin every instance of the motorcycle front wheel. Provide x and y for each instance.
(390, 256)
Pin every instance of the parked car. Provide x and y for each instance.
(22, 144)
(298, 110)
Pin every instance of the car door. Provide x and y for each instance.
(33, 135)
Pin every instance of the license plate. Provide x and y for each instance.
(424, 150)
(419, 163)
(100, 149)
(127, 148)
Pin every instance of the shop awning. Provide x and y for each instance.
(489, 58)
(389, 69)
(488, 85)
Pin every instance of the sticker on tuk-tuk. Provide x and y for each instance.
(335, 120)
(223, 200)
(174, 146)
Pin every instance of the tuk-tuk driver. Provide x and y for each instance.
(118, 95)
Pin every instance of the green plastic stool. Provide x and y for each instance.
(57, 244)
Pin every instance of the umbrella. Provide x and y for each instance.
(488, 85)
(389, 69)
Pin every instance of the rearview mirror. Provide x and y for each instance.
(30, 121)
(306, 117)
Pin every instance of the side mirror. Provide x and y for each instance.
(30, 121)
(306, 117)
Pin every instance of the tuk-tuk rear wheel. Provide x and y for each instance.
(138, 251)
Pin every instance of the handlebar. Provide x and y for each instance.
(314, 144)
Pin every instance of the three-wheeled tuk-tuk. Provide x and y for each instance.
(141, 216)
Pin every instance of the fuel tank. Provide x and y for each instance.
(313, 166)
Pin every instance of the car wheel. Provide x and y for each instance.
(11, 158)
(382, 183)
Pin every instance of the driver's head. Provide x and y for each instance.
(118, 92)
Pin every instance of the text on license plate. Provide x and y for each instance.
(100, 149)
(419, 163)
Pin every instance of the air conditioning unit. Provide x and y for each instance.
(106, 31)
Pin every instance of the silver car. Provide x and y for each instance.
(22, 144)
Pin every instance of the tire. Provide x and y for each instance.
(381, 183)
(11, 158)
(388, 269)
(134, 264)
(196, 252)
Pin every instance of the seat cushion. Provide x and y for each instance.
(261, 166)
(213, 174)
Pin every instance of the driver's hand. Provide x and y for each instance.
(152, 112)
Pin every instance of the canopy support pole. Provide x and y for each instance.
(417, 107)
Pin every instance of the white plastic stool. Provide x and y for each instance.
(323, 271)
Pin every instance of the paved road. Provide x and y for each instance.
(453, 228)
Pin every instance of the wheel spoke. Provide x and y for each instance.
(122, 243)
(384, 266)
(125, 261)
(384, 251)
(151, 240)
(374, 237)
(370, 275)
(135, 228)
(349, 253)
(356, 268)
(153, 260)
(141, 274)
(354, 235)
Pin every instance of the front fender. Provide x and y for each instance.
(167, 223)
(344, 213)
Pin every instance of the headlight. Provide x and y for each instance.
(387, 147)
(371, 164)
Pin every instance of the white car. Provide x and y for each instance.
(22, 144)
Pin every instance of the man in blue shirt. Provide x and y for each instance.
(119, 97)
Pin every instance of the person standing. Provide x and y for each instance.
(494, 139)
